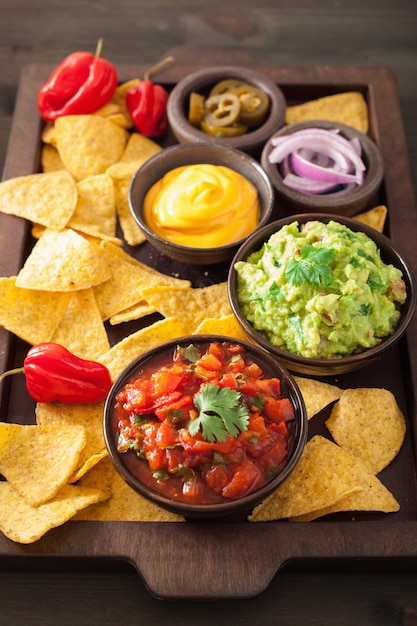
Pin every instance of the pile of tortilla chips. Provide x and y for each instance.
(78, 278)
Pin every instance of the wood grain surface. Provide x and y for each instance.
(276, 33)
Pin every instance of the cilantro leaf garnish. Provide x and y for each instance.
(220, 413)
(313, 266)
(189, 353)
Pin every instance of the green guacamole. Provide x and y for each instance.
(320, 290)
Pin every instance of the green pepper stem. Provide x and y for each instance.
(158, 66)
(18, 370)
(99, 48)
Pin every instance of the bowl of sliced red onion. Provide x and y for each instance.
(323, 166)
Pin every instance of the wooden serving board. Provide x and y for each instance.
(213, 560)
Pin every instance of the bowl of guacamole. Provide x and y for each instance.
(325, 294)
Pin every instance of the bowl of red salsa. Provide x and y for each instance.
(205, 426)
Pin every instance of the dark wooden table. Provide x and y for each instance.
(274, 33)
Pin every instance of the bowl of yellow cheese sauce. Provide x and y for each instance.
(197, 203)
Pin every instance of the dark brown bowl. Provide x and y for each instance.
(316, 366)
(202, 81)
(347, 203)
(228, 509)
(188, 154)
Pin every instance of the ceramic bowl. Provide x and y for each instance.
(232, 508)
(347, 203)
(191, 154)
(201, 82)
(322, 366)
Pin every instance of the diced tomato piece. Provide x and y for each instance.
(166, 436)
(166, 382)
(269, 387)
(176, 411)
(173, 458)
(273, 458)
(278, 410)
(279, 429)
(244, 479)
(253, 370)
(210, 362)
(216, 478)
(228, 380)
(156, 458)
(217, 350)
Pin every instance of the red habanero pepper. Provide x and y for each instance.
(80, 84)
(53, 373)
(147, 105)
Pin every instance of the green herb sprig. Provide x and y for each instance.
(221, 413)
(313, 266)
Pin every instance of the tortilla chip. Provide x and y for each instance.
(38, 460)
(369, 424)
(374, 217)
(89, 416)
(88, 144)
(191, 305)
(374, 496)
(124, 504)
(23, 523)
(139, 149)
(120, 355)
(316, 394)
(95, 213)
(128, 279)
(31, 315)
(347, 108)
(48, 134)
(48, 199)
(323, 476)
(131, 231)
(135, 312)
(81, 330)
(227, 326)
(63, 261)
(50, 159)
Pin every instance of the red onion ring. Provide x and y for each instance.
(316, 160)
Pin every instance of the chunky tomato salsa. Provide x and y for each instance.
(204, 425)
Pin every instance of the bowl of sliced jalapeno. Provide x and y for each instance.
(230, 105)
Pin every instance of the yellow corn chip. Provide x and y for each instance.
(23, 523)
(131, 231)
(192, 305)
(120, 355)
(38, 460)
(50, 159)
(368, 423)
(48, 134)
(81, 330)
(31, 315)
(63, 261)
(322, 477)
(374, 496)
(374, 217)
(89, 416)
(48, 199)
(88, 144)
(124, 504)
(128, 279)
(135, 312)
(138, 149)
(347, 108)
(227, 326)
(95, 213)
(316, 394)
